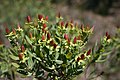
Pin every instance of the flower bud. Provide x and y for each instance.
(65, 36)
(22, 48)
(48, 36)
(7, 30)
(82, 27)
(43, 37)
(82, 56)
(88, 53)
(62, 23)
(75, 40)
(46, 18)
(40, 17)
(68, 41)
(44, 25)
(59, 15)
(66, 25)
(78, 59)
(55, 45)
(28, 19)
(107, 35)
(78, 38)
(52, 43)
(30, 35)
(20, 55)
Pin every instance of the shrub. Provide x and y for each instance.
(52, 51)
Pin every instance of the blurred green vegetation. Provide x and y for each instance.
(12, 11)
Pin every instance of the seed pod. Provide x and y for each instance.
(22, 48)
(7, 30)
(48, 36)
(40, 17)
(88, 53)
(75, 40)
(20, 55)
(28, 19)
(82, 56)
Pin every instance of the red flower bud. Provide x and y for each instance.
(40, 17)
(82, 56)
(30, 35)
(62, 23)
(43, 37)
(75, 40)
(55, 45)
(66, 25)
(52, 43)
(48, 36)
(20, 55)
(108, 37)
(59, 15)
(68, 41)
(22, 48)
(44, 25)
(106, 34)
(7, 30)
(46, 18)
(88, 53)
(82, 27)
(78, 59)
(28, 19)
(65, 36)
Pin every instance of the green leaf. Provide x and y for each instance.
(15, 65)
(28, 40)
(30, 63)
(14, 57)
(58, 61)
(56, 55)
(68, 56)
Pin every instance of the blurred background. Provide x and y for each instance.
(103, 14)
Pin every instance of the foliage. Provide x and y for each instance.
(13, 11)
(46, 50)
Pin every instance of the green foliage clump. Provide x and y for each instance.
(50, 50)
